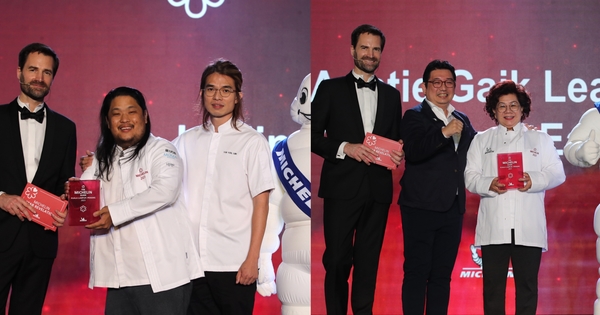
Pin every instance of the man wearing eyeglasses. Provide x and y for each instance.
(357, 193)
(226, 184)
(432, 200)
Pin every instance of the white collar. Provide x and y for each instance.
(357, 76)
(517, 128)
(438, 109)
(225, 127)
(26, 105)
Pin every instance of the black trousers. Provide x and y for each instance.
(27, 274)
(353, 232)
(526, 265)
(217, 294)
(141, 300)
(431, 242)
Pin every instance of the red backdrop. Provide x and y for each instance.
(159, 49)
(550, 46)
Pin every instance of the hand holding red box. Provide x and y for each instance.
(383, 147)
(510, 169)
(44, 203)
(84, 200)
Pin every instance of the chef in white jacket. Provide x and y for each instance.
(226, 185)
(511, 223)
(141, 249)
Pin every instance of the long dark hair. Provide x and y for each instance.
(105, 149)
(229, 69)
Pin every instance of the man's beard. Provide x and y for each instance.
(367, 69)
(33, 93)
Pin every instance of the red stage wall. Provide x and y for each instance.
(550, 46)
(156, 47)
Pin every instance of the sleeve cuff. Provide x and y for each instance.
(340, 152)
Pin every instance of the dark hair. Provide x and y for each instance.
(369, 29)
(437, 65)
(105, 149)
(504, 88)
(229, 69)
(38, 48)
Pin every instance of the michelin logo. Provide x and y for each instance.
(192, 14)
(477, 272)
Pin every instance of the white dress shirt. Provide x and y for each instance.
(367, 102)
(439, 113)
(32, 139)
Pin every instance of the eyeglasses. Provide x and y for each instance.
(438, 83)
(224, 91)
(513, 106)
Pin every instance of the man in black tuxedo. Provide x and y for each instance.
(38, 146)
(432, 200)
(357, 193)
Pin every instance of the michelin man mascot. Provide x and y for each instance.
(583, 150)
(290, 202)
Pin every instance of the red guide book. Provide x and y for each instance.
(44, 204)
(383, 146)
(84, 200)
(510, 169)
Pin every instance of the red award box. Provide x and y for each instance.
(510, 169)
(383, 146)
(84, 200)
(44, 204)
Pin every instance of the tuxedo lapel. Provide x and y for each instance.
(15, 143)
(354, 107)
(49, 136)
(463, 134)
(430, 115)
(381, 109)
(457, 116)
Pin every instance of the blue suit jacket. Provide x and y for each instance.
(434, 170)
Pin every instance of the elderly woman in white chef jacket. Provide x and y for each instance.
(511, 222)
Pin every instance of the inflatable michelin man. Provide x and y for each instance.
(583, 150)
(290, 202)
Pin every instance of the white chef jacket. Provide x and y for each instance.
(223, 171)
(523, 211)
(150, 212)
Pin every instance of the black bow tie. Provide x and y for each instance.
(38, 116)
(361, 84)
